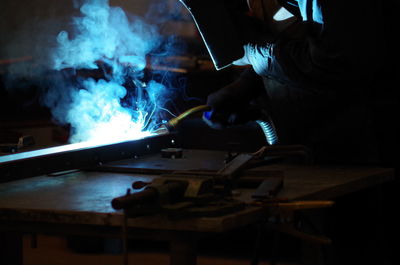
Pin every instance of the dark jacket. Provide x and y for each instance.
(322, 84)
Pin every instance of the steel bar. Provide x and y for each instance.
(77, 156)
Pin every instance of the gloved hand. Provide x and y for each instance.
(231, 104)
(223, 119)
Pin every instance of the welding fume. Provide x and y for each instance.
(309, 65)
(88, 62)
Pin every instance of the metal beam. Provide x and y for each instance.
(77, 156)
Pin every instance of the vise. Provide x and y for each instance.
(178, 195)
(168, 189)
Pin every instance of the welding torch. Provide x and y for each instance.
(265, 123)
(173, 123)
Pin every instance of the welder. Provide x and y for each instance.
(314, 65)
(323, 71)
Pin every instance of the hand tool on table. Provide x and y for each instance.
(182, 190)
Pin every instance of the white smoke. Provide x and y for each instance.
(104, 36)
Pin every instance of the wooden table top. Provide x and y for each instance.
(84, 197)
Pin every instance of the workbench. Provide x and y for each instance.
(78, 202)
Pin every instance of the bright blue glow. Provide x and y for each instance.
(317, 12)
(93, 108)
(282, 14)
(97, 114)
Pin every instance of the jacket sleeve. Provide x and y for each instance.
(339, 43)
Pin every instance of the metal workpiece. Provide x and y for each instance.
(77, 156)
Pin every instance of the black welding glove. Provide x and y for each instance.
(231, 105)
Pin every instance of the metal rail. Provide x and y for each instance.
(77, 156)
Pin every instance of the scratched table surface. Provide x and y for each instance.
(83, 197)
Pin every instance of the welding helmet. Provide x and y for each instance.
(215, 22)
(220, 23)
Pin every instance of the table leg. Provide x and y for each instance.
(312, 254)
(183, 250)
(11, 248)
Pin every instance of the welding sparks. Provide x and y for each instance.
(96, 110)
